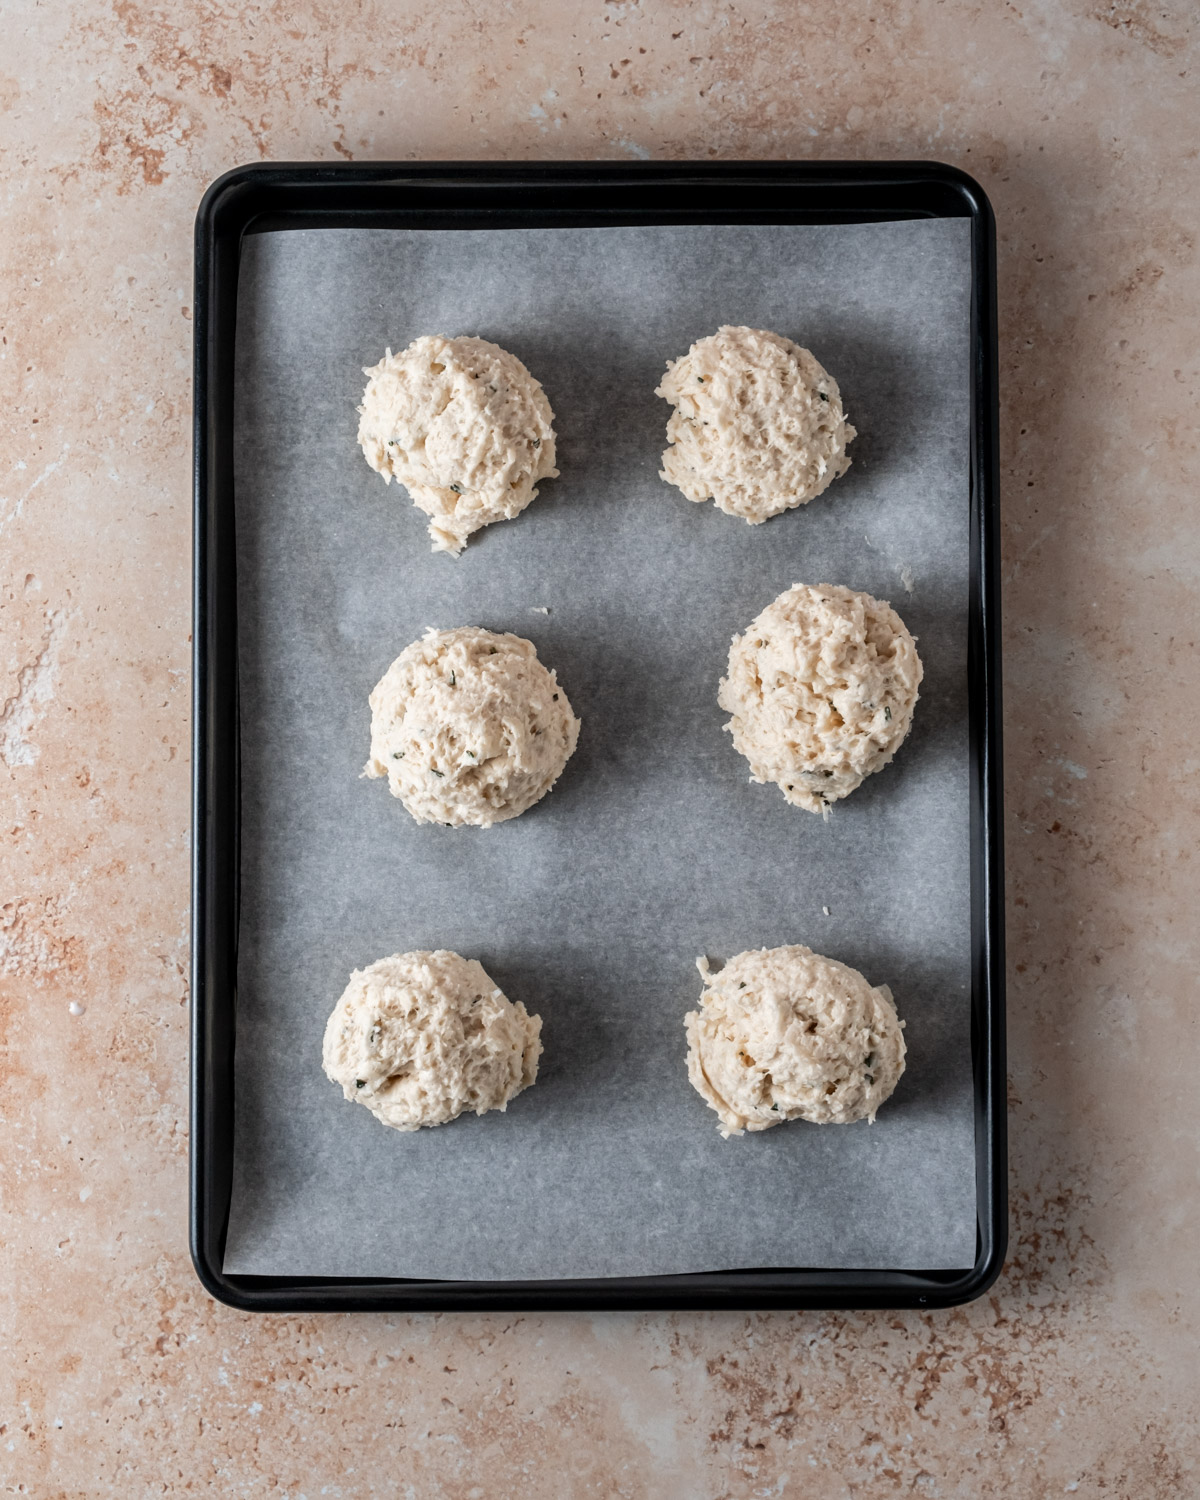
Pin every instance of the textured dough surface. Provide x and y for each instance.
(821, 689)
(419, 1038)
(464, 426)
(758, 424)
(469, 727)
(785, 1034)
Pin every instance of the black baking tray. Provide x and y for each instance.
(450, 195)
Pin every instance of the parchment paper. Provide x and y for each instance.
(654, 847)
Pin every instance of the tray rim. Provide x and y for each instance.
(276, 196)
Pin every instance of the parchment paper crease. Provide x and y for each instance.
(654, 847)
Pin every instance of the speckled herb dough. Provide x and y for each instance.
(758, 425)
(469, 727)
(784, 1034)
(464, 426)
(821, 689)
(420, 1038)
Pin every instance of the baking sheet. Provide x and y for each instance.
(654, 847)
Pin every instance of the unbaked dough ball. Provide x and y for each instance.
(464, 426)
(420, 1038)
(821, 690)
(758, 424)
(469, 727)
(784, 1034)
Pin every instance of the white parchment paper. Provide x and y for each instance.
(654, 847)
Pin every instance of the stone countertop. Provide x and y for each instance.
(1077, 1372)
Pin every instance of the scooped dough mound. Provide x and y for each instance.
(464, 426)
(469, 727)
(758, 424)
(784, 1034)
(420, 1038)
(821, 690)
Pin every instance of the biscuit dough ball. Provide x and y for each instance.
(420, 1038)
(821, 689)
(758, 424)
(469, 727)
(464, 426)
(784, 1034)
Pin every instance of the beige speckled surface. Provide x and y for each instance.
(1077, 1374)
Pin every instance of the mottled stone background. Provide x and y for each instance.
(1077, 1373)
